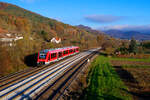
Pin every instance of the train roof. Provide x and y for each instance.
(57, 49)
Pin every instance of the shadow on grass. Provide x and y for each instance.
(102, 53)
(128, 77)
(125, 75)
(142, 95)
(31, 60)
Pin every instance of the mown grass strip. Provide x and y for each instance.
(130, 59)
(104, 83)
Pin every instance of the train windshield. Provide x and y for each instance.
(42, 55)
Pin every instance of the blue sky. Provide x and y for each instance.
(108, 14)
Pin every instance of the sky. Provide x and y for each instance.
(98, 14)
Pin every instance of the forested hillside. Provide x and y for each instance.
(16, 19)
(37, 31)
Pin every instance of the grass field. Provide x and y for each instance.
(104, 83)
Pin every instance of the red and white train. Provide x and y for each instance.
(51, 55)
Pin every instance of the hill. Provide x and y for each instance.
(35, 33)
(128, 34)
(15, 19)
(90, 30)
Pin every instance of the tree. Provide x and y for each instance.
(100, 39)
(122, 49)
(133, 46)
(45, 35)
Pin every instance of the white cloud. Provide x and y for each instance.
(103, 18)
(119, 27)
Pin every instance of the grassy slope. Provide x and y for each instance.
(104, 83)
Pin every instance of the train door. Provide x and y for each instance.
(77, 49)
(53, 56)
(49, 57)
(64, 53)
(71, 51)
(60, 54)
(74, 51)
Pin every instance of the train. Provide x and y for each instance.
(48, 56)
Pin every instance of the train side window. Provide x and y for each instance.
(64, 52)
(53, 55)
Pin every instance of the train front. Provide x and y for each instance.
(42, 57)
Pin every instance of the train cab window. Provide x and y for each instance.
(42, 56)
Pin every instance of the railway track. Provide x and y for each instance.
(30, 86)
(57, 88)
(73, 75)
(15, 77)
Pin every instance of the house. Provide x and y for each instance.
(56, 40)
(8, 38)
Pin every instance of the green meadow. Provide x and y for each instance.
(104, 83)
